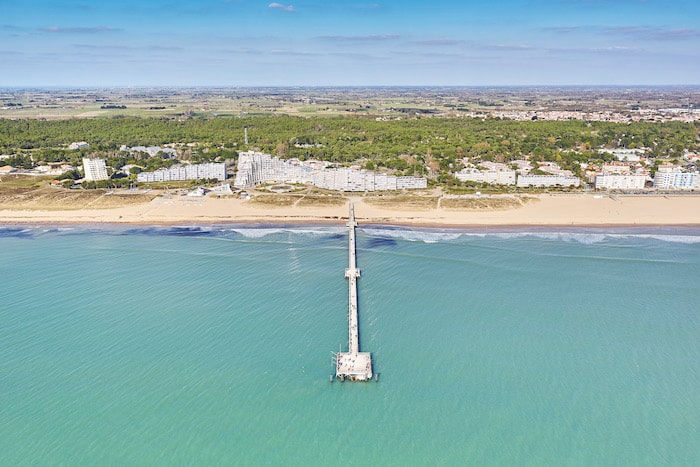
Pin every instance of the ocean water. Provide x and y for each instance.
(212, 346)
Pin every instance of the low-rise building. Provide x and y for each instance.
(547, 181)
(553, 169)
(78, 145)
(150, 150)
(629, 155)
(616, 168)
(492, 177)
(52, 169)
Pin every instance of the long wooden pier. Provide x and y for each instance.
(353, 364)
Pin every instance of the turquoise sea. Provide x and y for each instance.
(212, 346)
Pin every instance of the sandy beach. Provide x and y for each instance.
(547, 209)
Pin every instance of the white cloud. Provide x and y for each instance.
(79, 30)
(366, 38)
(279, 6)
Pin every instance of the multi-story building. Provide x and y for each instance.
(674, 179)
(493, 177)
(185, 172)
(255, 168)
(95, 169)
(614, 181)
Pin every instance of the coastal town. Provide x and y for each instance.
(605, 104)
(631, 170)
(458, 140)
(437, 156)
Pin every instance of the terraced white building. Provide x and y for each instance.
(255, 168)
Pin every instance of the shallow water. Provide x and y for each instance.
(213, 346)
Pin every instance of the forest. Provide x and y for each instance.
(438, 144)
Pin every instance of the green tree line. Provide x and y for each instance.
(438, 141)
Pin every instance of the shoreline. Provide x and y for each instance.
(549, 210)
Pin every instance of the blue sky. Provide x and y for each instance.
(317, 43)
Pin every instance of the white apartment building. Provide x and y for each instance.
(95, 169)
(255, 168)
(673, 179)
(493, 177)
(613, 181)
(547, 181)
(185, 172)
(344, 179)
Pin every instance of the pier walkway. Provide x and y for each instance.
(353, 364)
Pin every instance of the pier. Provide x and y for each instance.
(353, 365)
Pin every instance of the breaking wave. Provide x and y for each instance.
(378, 235)
(589, 237)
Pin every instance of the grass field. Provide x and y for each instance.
(21, 193)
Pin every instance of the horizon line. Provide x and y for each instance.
(344, 86)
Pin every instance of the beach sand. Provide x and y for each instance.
(546, 209)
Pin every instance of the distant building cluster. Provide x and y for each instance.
(95, 169)
(185, 172)
(255, 168)
(150, 150)
(630, 172)
(626, 155)
(53, 169)
(649, 115)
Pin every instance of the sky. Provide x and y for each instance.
(103, 43)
